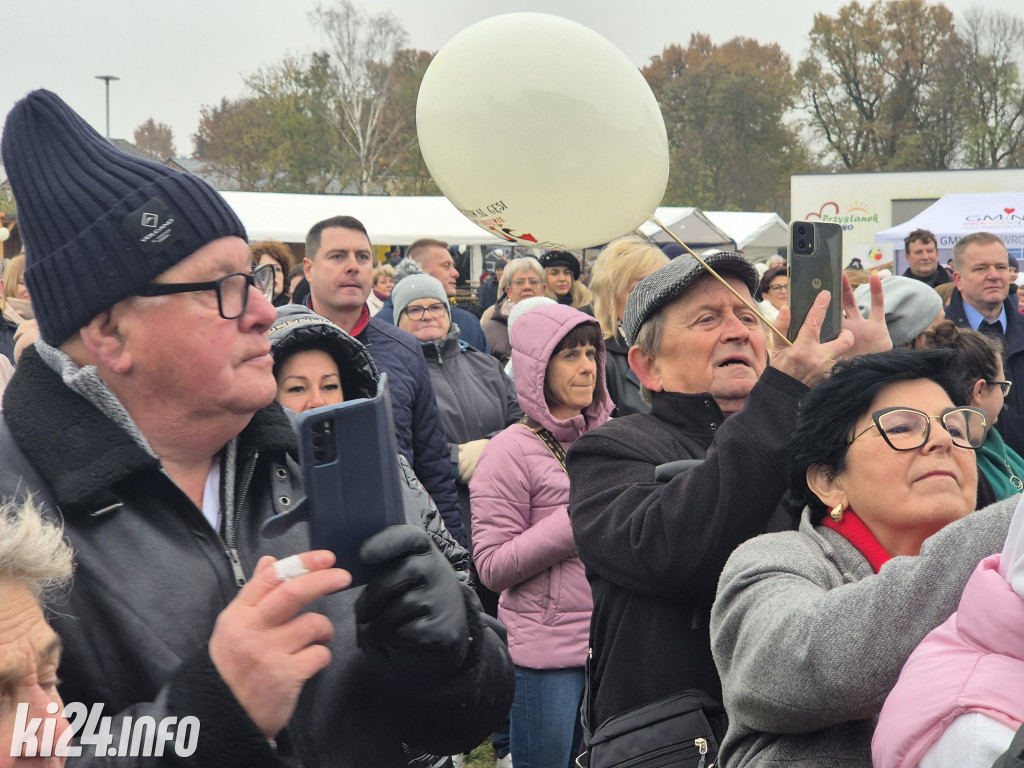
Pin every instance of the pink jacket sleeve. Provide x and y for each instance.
(512, 539)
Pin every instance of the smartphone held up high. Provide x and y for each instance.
(815, 265)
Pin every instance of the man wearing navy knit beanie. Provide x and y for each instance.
(143, 418)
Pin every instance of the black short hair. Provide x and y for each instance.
(340, 222)
(584, 333)
(829, 412)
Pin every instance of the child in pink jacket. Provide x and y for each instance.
(960, 696)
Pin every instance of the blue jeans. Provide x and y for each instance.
(545, 717)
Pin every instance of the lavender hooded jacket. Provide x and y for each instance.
(522, 539)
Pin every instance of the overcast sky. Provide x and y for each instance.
(174, 57)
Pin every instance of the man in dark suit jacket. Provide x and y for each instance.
(981, 301)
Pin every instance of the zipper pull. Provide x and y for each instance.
(236, 567)
(702, 747)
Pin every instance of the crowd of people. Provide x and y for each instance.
(640, 527)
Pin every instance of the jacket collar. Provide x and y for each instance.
(1014, 332)
(448, 348)
(693, 414)
(60, 432)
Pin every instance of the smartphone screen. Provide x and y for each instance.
(350, 467)
(815, 265)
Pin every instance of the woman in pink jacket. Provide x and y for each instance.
(522, 539)
(959, 698)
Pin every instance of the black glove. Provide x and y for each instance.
(412, 614)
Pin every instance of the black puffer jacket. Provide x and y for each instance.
(152, 576)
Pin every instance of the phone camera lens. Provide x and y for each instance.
(801, 244)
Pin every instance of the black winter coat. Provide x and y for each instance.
(152, 576)
(653, 551)
(623, 385)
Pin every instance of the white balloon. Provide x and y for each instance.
(541, 131)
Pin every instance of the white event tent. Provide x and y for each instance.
(688, 224)
(389, 220)
(758, 235)
(957, 214)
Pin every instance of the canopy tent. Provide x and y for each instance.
(688, 224)
(388, 220)
(758, 235)
(957, 214)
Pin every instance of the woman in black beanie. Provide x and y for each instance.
(562, 281)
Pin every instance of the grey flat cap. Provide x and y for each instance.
(668, 283)
(910, 307)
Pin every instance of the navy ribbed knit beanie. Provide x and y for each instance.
(98, 224)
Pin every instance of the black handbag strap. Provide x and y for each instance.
(547, 438)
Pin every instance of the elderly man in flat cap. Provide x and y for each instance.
(653, 548)
(144, 415)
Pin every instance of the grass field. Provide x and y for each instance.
(482, 757)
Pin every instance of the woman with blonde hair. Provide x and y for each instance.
(383, 282)
(562, 280)
(14, 306)
(619, 267)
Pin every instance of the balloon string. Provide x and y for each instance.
(746, 301)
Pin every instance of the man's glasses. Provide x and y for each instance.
(417, 313)
(905, 429)
(520, 282)
(232, 290)
(1003, 385)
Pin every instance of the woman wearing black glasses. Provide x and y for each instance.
(810, 628)
(1000, 465)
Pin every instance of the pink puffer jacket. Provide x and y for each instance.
(974, 662)
(522, 539)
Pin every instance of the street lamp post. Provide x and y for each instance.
(107, 79)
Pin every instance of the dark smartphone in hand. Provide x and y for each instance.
(350, 468)
(815, 265)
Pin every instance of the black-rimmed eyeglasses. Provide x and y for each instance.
(232, 290)
(905, 429)
(415, 312)
(1003, 385)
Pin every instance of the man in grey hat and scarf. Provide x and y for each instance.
(653, 548)
(144, 417)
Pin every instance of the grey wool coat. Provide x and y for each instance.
(809, 641)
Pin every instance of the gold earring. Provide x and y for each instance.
(837, 513)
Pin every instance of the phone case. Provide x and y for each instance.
(350, 467)
(815, 265)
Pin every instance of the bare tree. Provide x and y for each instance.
(363, 49)
(994, 78)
